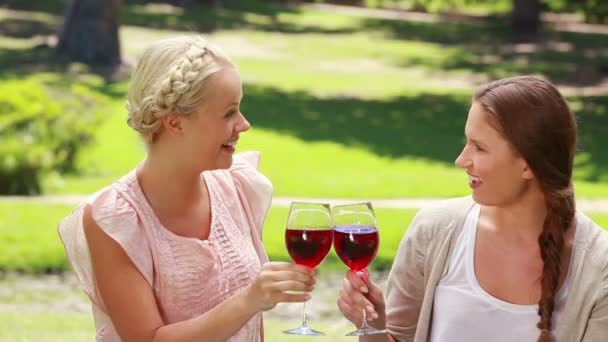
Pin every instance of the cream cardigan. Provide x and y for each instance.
(422, 259)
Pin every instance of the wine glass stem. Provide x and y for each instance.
(364, 323)
(304, 323)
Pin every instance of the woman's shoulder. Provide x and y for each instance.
(114, 202)
(592, 237)
(591, 246)
(244, 173)
(116, 199)
(441, 217)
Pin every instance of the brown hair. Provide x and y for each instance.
(534, 117)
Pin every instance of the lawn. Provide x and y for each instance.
(334, 114)
(54, 308)
(29, 240)
(342, 105)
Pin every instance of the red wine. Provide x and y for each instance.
(308, 246)
(356, 245)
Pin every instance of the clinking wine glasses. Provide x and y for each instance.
(308, 237)
(356, 243)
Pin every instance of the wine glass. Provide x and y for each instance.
(308, 237)
(356, 243)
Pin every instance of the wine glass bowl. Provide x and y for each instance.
(308, 247)
(356, 245)
(308, 238)
(356, 241)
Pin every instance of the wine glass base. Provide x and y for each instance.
(303, 331)
(366, 331)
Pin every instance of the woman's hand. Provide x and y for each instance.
(359, 293)
(274, 282)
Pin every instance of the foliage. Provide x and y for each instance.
(594, 11)
(42, 128)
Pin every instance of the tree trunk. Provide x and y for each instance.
(90, 32)
(525, 17)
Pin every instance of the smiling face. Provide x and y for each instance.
(212, 132)
(206, 139)
(497, 174)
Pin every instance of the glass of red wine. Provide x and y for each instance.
(356, 243)
(308, 237)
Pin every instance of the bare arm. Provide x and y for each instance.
(136, 302)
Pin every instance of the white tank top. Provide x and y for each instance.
(463, 311)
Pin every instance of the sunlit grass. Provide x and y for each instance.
(320, 60)
(29, 239)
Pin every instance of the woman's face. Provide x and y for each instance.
(497, 174)
(210, 135)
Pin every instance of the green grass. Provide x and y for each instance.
(353, 119)
(23, 325)
(28, 237)
(29, 240)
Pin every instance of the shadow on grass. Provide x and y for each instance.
(593, 141)
(483, 46)
(428, 126)
(486, 46)
(25, 28)
(424, 126)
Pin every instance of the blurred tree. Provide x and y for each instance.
(90, 32)
(525, 16)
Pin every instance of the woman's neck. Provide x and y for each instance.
(169, 186)
(519, 221)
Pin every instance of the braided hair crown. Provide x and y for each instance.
(170, 77)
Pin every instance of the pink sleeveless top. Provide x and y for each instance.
(189, 276)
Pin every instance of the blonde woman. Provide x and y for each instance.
(172, 251)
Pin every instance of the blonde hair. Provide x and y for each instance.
(169, 78)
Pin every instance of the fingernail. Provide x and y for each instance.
(364, 289)
(370, 309)
(375, 315)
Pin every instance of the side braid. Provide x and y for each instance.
(535, 118)
(560, 214)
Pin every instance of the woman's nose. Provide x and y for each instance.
(244, 124)
(463, 161)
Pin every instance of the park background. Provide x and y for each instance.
(349, 100)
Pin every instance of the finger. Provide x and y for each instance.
(292, 297)
(374, 291)
(360, 302)
(357, 282)
(376, 295)
(349, 312)
(291, 275)
(345, 297)
(290, 285)
(288, 266)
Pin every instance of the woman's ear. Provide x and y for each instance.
(527, 173)
(173, 123)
